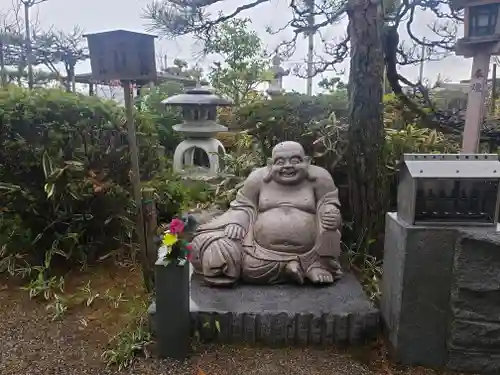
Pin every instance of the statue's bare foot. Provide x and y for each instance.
(294, 271)
(337, 275)
(319, 276)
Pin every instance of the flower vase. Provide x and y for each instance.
(172, 309)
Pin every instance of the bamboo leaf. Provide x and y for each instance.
(9, 187)
(49, 189)
(47, 165)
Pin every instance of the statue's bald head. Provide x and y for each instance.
(289, 164)
(288, 148)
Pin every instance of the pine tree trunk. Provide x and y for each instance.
(364, 156)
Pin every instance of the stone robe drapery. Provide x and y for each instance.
(248, 260)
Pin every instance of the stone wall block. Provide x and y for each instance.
(279, 328)
(474, 362)
(316, 326)
(237, 328)
(341, 335)
(328, 333)
(250, 328)
(475, 335)
(265, 328)
(303, 324)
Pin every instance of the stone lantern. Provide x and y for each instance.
(200, 149)
(481, 41)
(278, 72)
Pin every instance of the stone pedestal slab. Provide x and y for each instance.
(277, 315)
(441, 296)
(173, 305)
(416, 286)
(474, 339)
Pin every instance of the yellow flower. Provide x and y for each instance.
(169, 239)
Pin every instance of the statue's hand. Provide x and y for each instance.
(331, 218)
(234, 232)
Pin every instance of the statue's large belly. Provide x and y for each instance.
(286, 229)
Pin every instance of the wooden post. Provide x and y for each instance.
(161, 154)
(136, 185)
(3, 73)
(150, 224)
(476, 106)
(493, 89)
(27, 36)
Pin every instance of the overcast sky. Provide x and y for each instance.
(97, 15)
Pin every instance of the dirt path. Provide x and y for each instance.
(32, 343)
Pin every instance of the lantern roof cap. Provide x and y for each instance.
(115, 32)
(200, 127)
(452, 165)
(198, 96)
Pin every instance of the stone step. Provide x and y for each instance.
(281, 315)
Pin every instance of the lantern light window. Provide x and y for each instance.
(483, 20)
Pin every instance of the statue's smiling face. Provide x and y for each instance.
(289, 165)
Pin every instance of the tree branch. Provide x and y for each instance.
(180, 17)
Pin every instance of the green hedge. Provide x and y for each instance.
(286, 118)
(65, 176)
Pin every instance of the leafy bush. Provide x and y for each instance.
(228, 139)
(286, 118)
(237, 165)
(173, 195)
(412, 139)
(65, 173)
(163, 117)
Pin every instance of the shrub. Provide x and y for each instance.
(238, 164)
(65, 173)
(286, 118)
(163, 117)
(228, 139)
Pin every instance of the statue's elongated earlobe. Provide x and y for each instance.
(268, 177)
(309, 177)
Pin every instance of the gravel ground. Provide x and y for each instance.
(32, 343)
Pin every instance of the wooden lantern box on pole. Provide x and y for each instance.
(122, 55)
(481, 40)
(129, 57)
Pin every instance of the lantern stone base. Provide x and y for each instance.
(440, 293)
(186, 157)
(279, 315)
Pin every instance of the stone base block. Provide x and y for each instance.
(473, 362)
(279, 315)
(440, 296)
(415, 288)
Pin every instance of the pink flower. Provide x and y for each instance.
(189, 247)
(176, 226)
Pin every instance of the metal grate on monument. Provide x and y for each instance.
(449, 189)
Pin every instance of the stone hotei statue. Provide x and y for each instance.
(282, 227)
